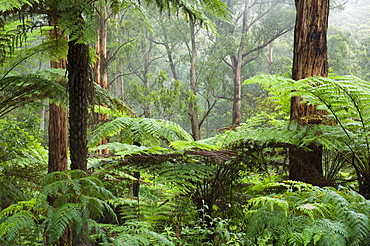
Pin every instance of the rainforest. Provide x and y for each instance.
(184, 122)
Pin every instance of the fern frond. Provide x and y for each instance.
(106, 98)
(110, 128)
(295, 238)
(20, 90)
(185, 177)
(15, 4)
(18, 207)
(188, 145)
(141, 130)
(358, 226)
(138, 233)
(61, 219)
(15, 225)
(96, 208)
(123, 150)
(270, 202)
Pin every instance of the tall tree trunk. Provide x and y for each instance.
(309, 59)
(270, 59)
(237, 69)
(80, 90)
(58, 132)
(58, 122)
(101, 66)
(147, 57)
(169, 54)
(193, 109)
(143, 75)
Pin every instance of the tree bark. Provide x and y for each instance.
(101, 67)
(80, 90)
(58, 125)
(364, 184)
(58, 135)
(58, 138)
(145, 78)
(270, 59)
(310, 56)
(237, 67)
(309, 59)
(193, 109)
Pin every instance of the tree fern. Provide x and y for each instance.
(60, 219)
(106, 98)
(195, 11)
(346, 100)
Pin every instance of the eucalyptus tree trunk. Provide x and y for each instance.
(101, 66)
(58, 128)
(193, 109)
(245, 55)
(170, 55)
(270, 59)
(80, 90)
(237, 68)
(145, 78)
(58, 136)
(309, 59)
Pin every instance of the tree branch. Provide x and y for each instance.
(267, 42)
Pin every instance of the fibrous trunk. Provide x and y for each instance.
(80, 90)
(364, 184)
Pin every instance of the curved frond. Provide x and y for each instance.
(61, 219)
(145, 131)
(13, 227)
(16, 91)
(106, 98)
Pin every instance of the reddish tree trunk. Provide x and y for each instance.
(58, 137)
(310, 59)
(58, 132)
(101, 68)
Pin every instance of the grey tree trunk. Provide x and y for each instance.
(193, 111)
